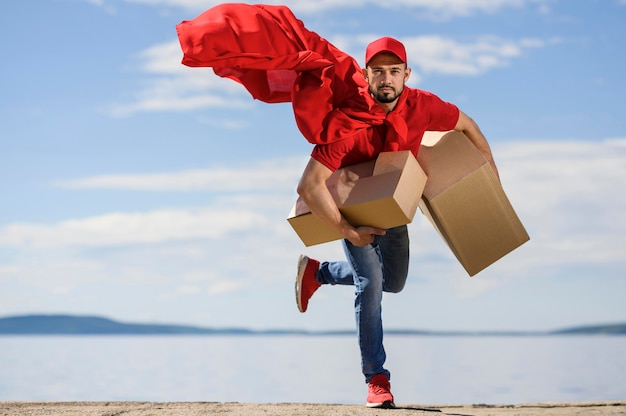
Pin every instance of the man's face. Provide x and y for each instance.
(386, 75)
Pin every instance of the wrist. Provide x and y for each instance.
(346, 229)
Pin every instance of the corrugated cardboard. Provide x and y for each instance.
(383, 193)
(464, 200)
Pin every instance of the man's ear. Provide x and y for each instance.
(407, 74)
(364, 70)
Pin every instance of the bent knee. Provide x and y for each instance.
(394, 288)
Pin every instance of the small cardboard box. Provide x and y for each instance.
(464, 200)
(382, 193)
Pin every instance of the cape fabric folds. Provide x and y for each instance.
(271, 53)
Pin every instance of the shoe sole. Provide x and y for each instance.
(301, 268)
(384, 405)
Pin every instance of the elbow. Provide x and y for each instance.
(303, 190)
(313, 180)
(306, 194)
(308, 191)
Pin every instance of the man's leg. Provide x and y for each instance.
(380, 266)
(368, 282)
(312, 274)
(394, 251)
(335, 273)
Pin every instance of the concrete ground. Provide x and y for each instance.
(297, 409)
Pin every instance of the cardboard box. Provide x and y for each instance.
(382, 193)
(464, 200)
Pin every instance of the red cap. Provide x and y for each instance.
(385, 44)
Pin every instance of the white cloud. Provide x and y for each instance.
(172, 86)
(435, 54)
(441, 55)
(189, 290)
(116, 229)
(569, 194)
(104, 5)
(438, 8)
(267, 175)
(224, 286)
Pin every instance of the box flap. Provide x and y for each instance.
(447, 160)
(341, 183)
(393, 161)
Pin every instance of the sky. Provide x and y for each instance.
(139, 189)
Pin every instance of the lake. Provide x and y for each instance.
(311, 369)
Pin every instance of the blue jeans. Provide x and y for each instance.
(373, 269)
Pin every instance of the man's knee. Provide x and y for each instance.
(394, 288)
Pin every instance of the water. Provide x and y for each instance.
(317, 369)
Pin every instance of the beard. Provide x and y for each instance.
(385, 97)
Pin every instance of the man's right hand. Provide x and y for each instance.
(362, 236)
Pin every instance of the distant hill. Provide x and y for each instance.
(68, 324)
(615, 329)
(94, 325)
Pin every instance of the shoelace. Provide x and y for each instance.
(380, 388)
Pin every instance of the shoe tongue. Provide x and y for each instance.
(380, 384)
(380, 380)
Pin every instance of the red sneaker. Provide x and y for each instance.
(306, 284)
(379, 392)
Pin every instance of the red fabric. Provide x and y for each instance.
(271, 53)
(417, 111)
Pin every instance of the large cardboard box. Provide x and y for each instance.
(464, 200)
(382, 193)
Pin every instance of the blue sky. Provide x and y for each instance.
(139, 189)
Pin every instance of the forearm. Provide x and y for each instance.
(314, 192)
(475, 135)
(321, 203)
(472, 131)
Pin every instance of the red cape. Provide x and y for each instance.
(271, 53)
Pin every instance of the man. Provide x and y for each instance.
(377, 259)
(350, 114)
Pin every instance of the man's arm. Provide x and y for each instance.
(472, 131)
(313, 190)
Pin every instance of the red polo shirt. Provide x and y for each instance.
(420, 110)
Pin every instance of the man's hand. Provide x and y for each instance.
(362, 236)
